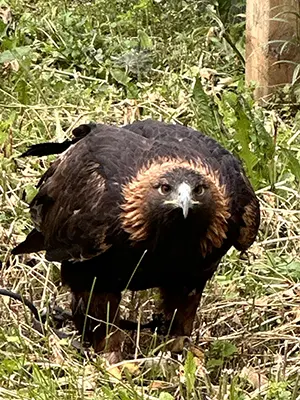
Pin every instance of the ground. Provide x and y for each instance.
(63, 63)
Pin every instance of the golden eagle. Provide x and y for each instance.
(146, 205)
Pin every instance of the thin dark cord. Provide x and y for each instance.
(19, 297)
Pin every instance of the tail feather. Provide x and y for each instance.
(47, 148)
(32, 244)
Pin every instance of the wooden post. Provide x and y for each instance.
(262, 54)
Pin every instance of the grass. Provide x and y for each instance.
(63, 63)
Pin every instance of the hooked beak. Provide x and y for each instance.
(184, 199)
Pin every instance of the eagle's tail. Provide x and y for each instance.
(32, 244)
(47, 148)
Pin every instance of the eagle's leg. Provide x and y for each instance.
(96, 316)
(179, 306)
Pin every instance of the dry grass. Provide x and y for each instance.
(251, 304)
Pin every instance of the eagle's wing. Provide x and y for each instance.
(244, 205)
(76, 208)
(61, 210)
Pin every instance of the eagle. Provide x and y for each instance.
(146, 205)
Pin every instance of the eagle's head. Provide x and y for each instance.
(181, 192)
(172, 193)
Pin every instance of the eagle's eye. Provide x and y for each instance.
(199, 190)
(165, 188)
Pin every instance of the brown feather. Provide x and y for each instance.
(249, 231)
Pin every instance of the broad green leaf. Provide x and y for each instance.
(229, 349)
(293, 162)
(120, 76)
(243, 128)
(165, 396)
(30, 191)
(16, 54)
(204, 111)
(145, 40)
(212, 363)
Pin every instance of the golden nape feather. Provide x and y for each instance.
(163, 197)
(135, 195)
